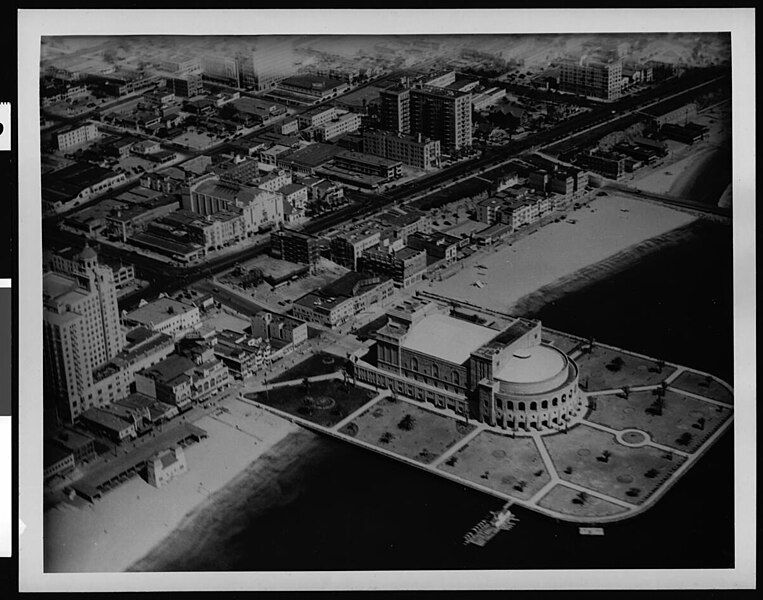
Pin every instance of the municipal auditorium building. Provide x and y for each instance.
(486, 365)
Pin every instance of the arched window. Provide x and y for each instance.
(521, 406)
(554, 402)
(414, 364)
(509, 405)
(564, 398)
(455, 378)
(544, 404)
(435, 371)
(533, 406)
(498, 403)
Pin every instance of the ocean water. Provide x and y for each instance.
(340, 507)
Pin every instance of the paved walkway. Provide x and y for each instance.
(533, 503)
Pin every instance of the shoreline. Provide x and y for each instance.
(130, 520)
(205, 522)
(574, 282)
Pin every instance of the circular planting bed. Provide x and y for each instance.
(628, 410)
(584, 452)
(509, 480)
(625, 479)
(499, 453)
(323, 403)
(696, 414)
(634, 437)
(328, 360)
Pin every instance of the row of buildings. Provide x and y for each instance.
(95, 356)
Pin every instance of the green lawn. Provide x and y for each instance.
(703, 385)
(430, 435)
(501, 463)
(329, 401)
(580, 450)
(679, 416)
(569, 502)
(635, 371)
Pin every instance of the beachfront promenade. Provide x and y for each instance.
(613, 463)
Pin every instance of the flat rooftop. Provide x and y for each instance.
(159, 310)
(447, 338)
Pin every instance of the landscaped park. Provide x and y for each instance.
(647, 422)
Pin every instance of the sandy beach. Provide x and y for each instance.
(608, 225)
(129, 521)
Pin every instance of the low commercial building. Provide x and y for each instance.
(437, 245)
(104, 423)
(369, 165)
(295, 246)
(243, 355)
(56, 460)
(76, 184)
(414, 150)
(348, 246)
(342, 123)
(80, 445)
(406, 267)
(671, 113)
(336, 304)
(186, 86)
(605, 163)
(302, 87)
(165, 315)
(284, 328)
(74, 136)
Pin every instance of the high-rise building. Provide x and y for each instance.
(82, 331)
(269, 61)
(396, 109)
(442, 114)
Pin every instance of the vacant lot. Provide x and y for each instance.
(600, 371)
(322, 402)
(630, 474)
(703, 385)
(317, 364)
(570, 502)
(511, 466)
(429, 435)
(681, 416)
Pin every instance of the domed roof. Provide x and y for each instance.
(88, 253)
(530, 365)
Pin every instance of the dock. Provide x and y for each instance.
(488, 528)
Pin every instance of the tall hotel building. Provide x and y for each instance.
(444, 115)
(81, 328)
(269, 61)
(596, 76)
(396, 109)
(437, 113)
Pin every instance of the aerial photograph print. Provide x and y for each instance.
(387, 302)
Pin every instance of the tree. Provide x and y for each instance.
(306, 384)
(660, 365)
(581, 498)
(651, 473)
(626, 391)
(684, 439)
(700, 424)
(605, 456)
(406, 423)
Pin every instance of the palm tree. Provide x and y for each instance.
(626, 391)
